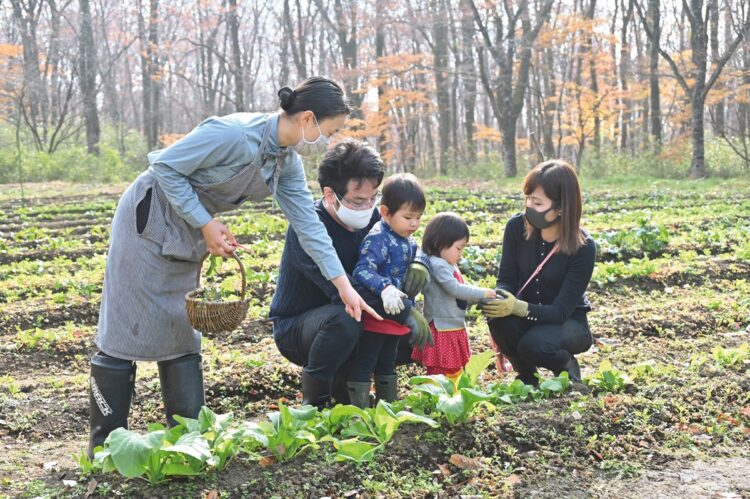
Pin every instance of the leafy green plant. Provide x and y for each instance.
(192, 447)
(225, 439)
(608, 379)
(646, 239)
(289, 431)
(731, 357)
(456, 399)
(158, 454)
(517, 391)
(370, 429)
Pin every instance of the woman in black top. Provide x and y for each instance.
(544, 323)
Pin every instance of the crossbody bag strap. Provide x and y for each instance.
(539, 268)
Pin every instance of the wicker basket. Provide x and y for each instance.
(216, 316)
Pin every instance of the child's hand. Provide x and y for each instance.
(489, 293)
(392, 299)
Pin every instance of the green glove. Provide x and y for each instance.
(420, 330)
(416, 278)
(505, 306)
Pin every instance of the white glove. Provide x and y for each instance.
(392, 299)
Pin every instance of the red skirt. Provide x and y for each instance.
(450, 353)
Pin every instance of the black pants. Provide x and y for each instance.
(376, 353)
(404, 351)
(321, 341)
(533, 345)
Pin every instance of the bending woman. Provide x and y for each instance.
(540, 321)
(165, 223)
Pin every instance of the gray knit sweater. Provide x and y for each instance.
(442, 293)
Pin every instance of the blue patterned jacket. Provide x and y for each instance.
(384, 257)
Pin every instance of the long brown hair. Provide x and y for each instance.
(559, 182)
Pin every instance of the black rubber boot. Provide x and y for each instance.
(340, 390)
(111, 387)
(359, 393)
(525, 371)
(386, 387)
(314, 391)
(182, 386)
(573, 369)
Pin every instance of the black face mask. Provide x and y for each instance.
(536, 218)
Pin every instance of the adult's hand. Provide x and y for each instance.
(354, 303)
(420, 330)
(219, 240)
(505, 306)
(499, 307)
(416, 278)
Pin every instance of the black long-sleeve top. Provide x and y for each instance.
(557, 293)
(300, 286)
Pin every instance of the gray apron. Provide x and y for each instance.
(142, 315)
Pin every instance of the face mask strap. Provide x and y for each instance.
(320, 133)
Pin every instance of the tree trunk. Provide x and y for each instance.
(699, 57)
(469, 78)
(239, 82)
(509, 147)
(550, 105)
(624, 70)
(346, 29)
(594, 82)
(380, 52)
(149, 43)
(508, 95)
(744, 106)
(440, 65)
(698, 166)
(718, 109)
(34, 96)
(654, 18)
(88, 70)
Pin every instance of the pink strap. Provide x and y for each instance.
(539, 268)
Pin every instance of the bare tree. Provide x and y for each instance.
(150, 71)
(702, 82)
(468, 76)
(88, 71)
(507, 87)
(233, 20)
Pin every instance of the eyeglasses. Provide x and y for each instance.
(361, 205)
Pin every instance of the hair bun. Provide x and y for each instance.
(286, 98)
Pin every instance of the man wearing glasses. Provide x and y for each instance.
(310, 326)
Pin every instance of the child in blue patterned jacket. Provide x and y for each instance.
(385, 254)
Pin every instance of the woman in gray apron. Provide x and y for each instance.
(164, 225)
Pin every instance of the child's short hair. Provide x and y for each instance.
(443, 230)
(403, 189)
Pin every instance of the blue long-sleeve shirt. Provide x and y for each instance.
(219, 148)
(384, 257)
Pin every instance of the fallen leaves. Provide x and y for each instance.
(465, 463)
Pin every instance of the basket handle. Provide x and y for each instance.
(242, 273)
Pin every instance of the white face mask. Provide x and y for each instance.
(310, 148)
(357, 219)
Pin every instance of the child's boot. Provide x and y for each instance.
(386, 387)
(359, 393)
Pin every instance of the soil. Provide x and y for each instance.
(679, 430)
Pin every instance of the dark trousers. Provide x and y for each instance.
(376, 353)
(530, 345)
(321, 341)
(404, 351)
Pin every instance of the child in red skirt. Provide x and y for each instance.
(447, 296)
